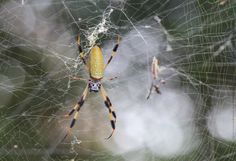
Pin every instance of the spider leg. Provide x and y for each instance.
(110, 78)
(157, 89)
(78, 78)
(112, 114)
(76, 108)
(150, 91)
(113, 51)
(162, 81)
(81, 52)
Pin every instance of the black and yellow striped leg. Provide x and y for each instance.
(81, 53)
(113, 51)
(112, 114)
(76, 108)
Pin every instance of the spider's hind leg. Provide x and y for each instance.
(76, 108)
(112, 114)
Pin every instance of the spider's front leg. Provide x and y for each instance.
(81, 53)
(112, 114)
(113, 51)
(77, 108)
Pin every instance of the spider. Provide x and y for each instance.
(155, 69)
(95, 67)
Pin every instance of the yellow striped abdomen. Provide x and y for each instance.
(96, 63)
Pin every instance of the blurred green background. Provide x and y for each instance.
(38, 53)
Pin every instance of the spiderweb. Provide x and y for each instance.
(192, 119)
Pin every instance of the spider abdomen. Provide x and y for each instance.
(96, 63)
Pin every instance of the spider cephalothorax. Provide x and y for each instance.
(94, 86)
(95, 67)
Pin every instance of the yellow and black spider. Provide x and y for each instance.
(95, 67)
